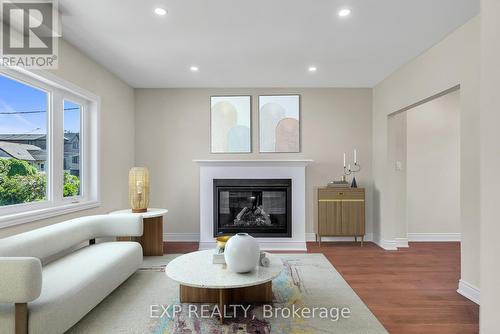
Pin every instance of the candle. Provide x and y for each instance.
(344, 159)
(355, 160)
(349, 167)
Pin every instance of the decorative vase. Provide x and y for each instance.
(242, 253)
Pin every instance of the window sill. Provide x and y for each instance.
(8, 220)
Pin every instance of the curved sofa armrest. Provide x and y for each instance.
(118, 225)
(20, 279)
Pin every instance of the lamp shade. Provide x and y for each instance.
(138, 189)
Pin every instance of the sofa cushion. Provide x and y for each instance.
(45, 242)
(74, 284)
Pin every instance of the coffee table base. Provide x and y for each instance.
(262, 293)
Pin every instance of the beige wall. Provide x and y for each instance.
(396, 153)
(454, 61)
(172, 129)
(117, 131)
(433, 166)
(490, 165)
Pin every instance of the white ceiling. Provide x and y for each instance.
(259, 43)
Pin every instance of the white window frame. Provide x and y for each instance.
(90, 192)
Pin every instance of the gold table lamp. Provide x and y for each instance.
(138, 189)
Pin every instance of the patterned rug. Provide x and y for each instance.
(310, 296)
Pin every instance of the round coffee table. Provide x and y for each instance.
(201, 281)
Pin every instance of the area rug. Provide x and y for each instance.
(310, 296)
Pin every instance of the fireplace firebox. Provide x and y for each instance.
(259, 207)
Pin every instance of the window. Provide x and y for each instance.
(72, 134)
(48, 147)
(23, 142)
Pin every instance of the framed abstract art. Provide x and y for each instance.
(279, 123)
(230, 129)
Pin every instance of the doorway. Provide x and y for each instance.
(424, 161)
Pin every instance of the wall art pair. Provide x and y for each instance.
(279, 124)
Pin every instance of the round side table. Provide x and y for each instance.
(152, 237)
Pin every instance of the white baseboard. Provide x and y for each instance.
(388, 244)
(430, 237)
(469, 291)
(270, 246)
(267, 246)
(181, 237)
(402, 242)
(311, 237)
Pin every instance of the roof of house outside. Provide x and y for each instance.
(10, 146)
(29, 136)
(19, 151)
(69, 136)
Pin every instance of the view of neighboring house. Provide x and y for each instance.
(72, 153)
(33, 149)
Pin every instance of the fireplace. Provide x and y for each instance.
(259, 207)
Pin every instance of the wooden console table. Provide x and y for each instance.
(152, 237)
(341, 212)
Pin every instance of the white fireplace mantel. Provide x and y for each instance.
(253, 162)
(255, 169)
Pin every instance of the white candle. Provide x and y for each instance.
(344, 159)
(349, 167)
(355, 160)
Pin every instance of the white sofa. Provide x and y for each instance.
(43, 274)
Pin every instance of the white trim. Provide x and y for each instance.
(264, 245)
(402, 242)
(256, 169)
(389, 245)
(53, 80)
(56, 204)
(469, 291)
(34, 215)
(267, 246)
(311, 237)
(414, 237)
(181, 237)
(262, 162)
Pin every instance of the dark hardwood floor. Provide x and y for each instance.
(410, 291)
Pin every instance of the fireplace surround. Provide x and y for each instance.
(259, 207)
(294, 170)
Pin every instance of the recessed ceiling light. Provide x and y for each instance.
(194, 68)
(312, 69)
(160, 11)
(344, 12)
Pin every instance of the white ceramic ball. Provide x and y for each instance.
(242, 253)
